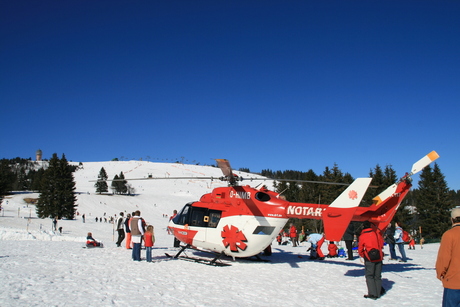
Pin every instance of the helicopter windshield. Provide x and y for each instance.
(181, 217)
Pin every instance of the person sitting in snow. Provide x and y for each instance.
(91, 242)
(332, 248)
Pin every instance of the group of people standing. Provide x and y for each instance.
(135, 229)
(394, 237)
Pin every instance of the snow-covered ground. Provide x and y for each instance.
(41, 268)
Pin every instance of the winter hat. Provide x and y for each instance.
(455, 212)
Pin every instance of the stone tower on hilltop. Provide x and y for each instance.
(38, 155)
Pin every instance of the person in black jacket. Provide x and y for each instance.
(390, 240)
(120, 230)
(348, 237)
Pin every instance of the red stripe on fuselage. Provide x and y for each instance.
(184, 234)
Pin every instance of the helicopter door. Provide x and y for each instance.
(205, 219)
(198, 223)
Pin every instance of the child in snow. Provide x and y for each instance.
(332, 248)
(90, 242)
(412, 243)
(149, 241)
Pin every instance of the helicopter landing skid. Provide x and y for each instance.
(216, 261)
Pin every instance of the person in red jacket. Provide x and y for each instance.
(370, 248)
(293, 235)
(412, 243)
(149, 241)
(332, 248)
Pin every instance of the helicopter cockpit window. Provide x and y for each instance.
(261, 196)
(182, 217)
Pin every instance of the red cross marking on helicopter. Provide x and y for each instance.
(234, 238)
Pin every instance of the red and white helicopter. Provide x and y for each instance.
(241, 221)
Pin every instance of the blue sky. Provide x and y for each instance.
(266, 84)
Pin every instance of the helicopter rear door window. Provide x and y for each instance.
(214, 218)
(263, 230)
(198, 215)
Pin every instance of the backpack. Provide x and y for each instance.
(405, 236)
(374, 255)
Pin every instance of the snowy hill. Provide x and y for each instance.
(154, 198)
(42, 268)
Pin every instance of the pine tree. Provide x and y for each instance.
(114, 185)
(329, 192)
(37, 177)
(47, 204)
(6, 177)
(406, 214)
(101, 184)
(390, 176)
(309, 191)
(433, 203)
(119, 184)
(57, 191)
(123, 184)
(67, 190)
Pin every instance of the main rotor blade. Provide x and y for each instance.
(306, 181)
(162, 178)
(226, 179)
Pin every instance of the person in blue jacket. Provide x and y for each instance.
(400, 242)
